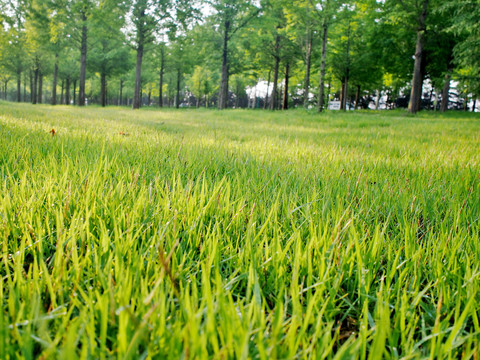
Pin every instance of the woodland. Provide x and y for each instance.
(271, 54)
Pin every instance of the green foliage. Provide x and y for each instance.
(109, 55)
(466, 26)
(373, 41)
(206, 234)
(203, 83)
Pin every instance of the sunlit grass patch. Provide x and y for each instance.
(238, 234)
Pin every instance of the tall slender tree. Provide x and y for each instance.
(231, 15)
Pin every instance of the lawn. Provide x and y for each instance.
(238, 234)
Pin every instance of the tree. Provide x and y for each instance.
(232, 15)
(109, 54)
(149, 16)
(466, 51)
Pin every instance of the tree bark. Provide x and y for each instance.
(357, 97)
(24, 86)
(417, 80)
(342, 95)
(265, 104)
(67, 91)
(120, 102)
(285, 91)
(162, 70)
(40, 87)
(273, 99)
(308, 61)
(345, 94)
(474, 104)
(103, 89)
(223, 94)
(445, 92)
(62, 98)
(74, 92)
(177, 95)
(55, 77)
(321, 88)
(138, 77)
(31, 86)
(19, 86)
(34, 90)
(83, 61)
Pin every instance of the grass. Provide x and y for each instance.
(238, 234)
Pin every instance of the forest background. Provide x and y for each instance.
(271, 54)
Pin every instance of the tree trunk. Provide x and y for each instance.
(445, 92)
(149, 98)
(40, 87)
(19, 86)
(62, 98)
(321, 88)
(83, 61)
(345, 95)
(31, 86)
(223, 94)
(120, 102)
(34, 90)
(138, 77)
(273, 97)
(285, 91)
(24, 86)
(347, 72)
(465, 103)
(377, 102)
(357, 97)
(417, 81)
(162, 70)
(308, 61)
(265, 104)
(177, 95)
(103, 89)
(273, 100)
(74, 92)
(342, 95)
(55, 77)
(474, 104)
(329, 90)
(67, 91)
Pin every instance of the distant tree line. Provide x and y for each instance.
(212, 53)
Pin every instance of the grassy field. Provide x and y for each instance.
(238, 234)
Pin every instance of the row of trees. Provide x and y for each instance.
(212, 52)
